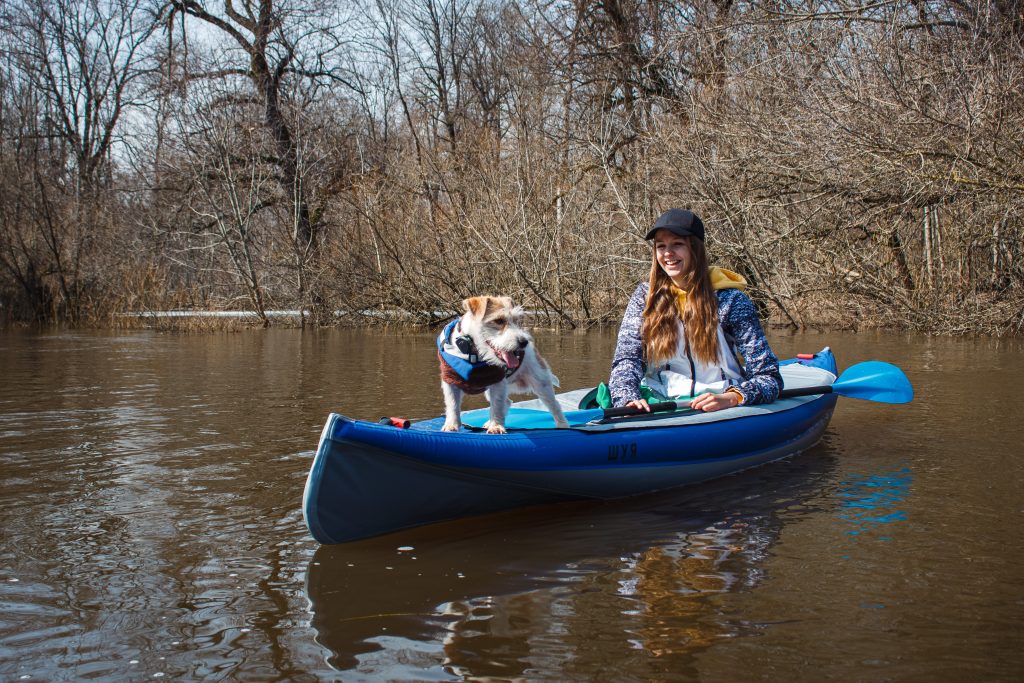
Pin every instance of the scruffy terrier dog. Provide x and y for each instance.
(486, 350)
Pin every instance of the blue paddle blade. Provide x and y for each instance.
(874, 380)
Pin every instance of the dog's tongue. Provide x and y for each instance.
(511, 360)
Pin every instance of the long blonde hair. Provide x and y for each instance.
(660, 330)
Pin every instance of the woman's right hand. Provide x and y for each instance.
(640, 404)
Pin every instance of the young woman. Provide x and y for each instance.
(685, 331)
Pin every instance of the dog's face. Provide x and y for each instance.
(494, 324)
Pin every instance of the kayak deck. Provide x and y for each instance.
(532, 414)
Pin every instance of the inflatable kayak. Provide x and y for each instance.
(369, 478)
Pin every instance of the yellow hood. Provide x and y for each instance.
(726, 279)
(720, 279)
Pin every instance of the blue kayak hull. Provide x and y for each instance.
(369, 479)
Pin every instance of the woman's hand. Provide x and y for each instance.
(639, 404)
(712, 402)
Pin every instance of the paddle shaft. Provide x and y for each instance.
(672, 406)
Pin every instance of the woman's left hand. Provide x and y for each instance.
(712, 402)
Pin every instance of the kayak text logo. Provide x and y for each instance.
(625, 451)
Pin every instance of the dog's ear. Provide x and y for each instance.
(497, 304)
(476, 306)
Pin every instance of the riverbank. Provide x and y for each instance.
(992, 314)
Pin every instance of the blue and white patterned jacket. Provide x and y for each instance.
(738, 318)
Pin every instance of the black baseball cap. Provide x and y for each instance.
(680, 222)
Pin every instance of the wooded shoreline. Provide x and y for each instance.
(859, 165)
(239, 320)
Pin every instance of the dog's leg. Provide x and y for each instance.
(497, 394)
(545, 391)
(452, 407)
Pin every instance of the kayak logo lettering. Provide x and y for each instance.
(621, 452)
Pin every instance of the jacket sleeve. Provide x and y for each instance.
(628, 363)
(738, 316)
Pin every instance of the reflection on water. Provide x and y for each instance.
(871, 500)
(539, 592)
(662, 601)
(150, 491)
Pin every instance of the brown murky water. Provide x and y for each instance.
(150, 489)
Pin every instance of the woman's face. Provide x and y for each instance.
(673, 254)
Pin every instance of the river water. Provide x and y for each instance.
(150, 491)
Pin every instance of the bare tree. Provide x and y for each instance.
(278, 43)
(73, 70)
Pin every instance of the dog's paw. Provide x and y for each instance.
(495, 428)
(450, 427)
(561, 424)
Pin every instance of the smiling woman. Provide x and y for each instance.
(690, 332)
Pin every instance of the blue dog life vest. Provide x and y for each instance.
(463, 368)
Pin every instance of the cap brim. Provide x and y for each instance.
(682, 232)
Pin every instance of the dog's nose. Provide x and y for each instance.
(523, 343)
